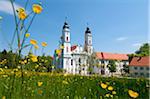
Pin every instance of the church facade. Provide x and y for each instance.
(73, 58)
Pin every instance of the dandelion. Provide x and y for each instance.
(4, 97)
(107, 95)
(65, 82)
(104, 86)
(36, 46)
(44, 44)
(110, 88)
(34, 58)
(33, 42)
(21, 13)
(61, 47)
(27, 35)
(39, 92)
(40, 84)
(113, 92)
(37, 8)
(133, 94)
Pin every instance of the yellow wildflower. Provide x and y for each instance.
(33, 42)
(113, 92)
(34, 58)
(25, 61)
(4, 97)
(21, 14)
(44, 44)
(40, 92)
(27, 35)
(40, 84)
(61, 47)
(107, 95)
(104, 86)
(36, 46)
(37, 8)
(110, 88)
(65, 82)
(133, 94)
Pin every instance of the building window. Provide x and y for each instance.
(67, 38)
(142, 74)
(71, 62)
(141, 68)
(135, 68)
(147, 68)
(79, 61)
(136, 73)
(147, 74)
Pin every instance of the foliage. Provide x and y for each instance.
(57, 86)
(126, 68)
(92, 61)
(112, 66)
(8, 59)
(143, 50)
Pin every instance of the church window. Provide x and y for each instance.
(79, 61)
(71, 62)
(67, 38)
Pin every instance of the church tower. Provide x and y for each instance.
(66, 51)
(88, 41)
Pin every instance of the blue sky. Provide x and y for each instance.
(118, 26)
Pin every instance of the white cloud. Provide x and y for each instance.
(6, 7)
(121, 38)
(137, 44)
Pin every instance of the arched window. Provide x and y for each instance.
(72, 62)
(67, 38)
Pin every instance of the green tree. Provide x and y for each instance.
(126, 68)
(112, 66)
(143, 50)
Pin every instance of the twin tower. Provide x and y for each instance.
(73, 56)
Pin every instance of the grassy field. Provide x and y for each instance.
(58, 86)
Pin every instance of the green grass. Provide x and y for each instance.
(58, 86)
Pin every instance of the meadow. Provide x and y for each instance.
(38, 85)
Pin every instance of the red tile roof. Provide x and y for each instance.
(140, 61)
(111, 56)
(73, 47)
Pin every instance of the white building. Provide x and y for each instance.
(104, 59)
(73, 58)
(139, 67)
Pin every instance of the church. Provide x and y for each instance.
(73, 58)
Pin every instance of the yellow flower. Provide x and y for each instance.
(37, 8)
(36, 46)
(104, 86)
(113, 92)
(110, 88)
(133, 94)
(40, 92)
(27, 35)
(107, 95)
(58, 51)
(44, 44)
(40, 84)
(34, 58)
(21, 13)
(4, 97)
(65, 82)
(25, 61)
(33, 42)
(61, 47)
